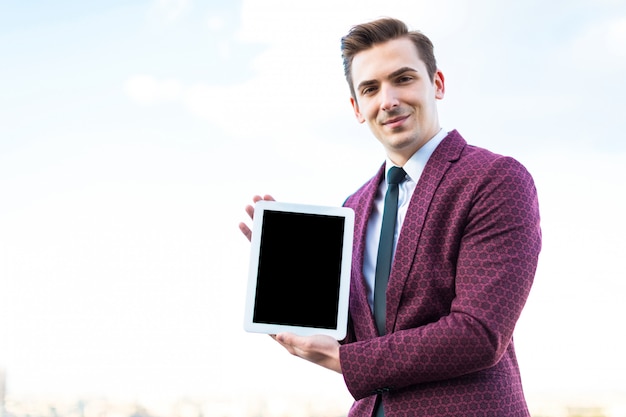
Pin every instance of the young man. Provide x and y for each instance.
(465, 250)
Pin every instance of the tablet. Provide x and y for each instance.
(299, 277)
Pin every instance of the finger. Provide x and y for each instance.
(289, 339)
(256, 199)
(245, 230)
(250, 211)
(286, 341)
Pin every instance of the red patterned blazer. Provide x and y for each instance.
(463, 268)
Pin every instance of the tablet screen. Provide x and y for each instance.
(300, 268)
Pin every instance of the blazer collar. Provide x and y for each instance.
(448, 151)
(363, 203)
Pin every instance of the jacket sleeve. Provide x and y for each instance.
(495, 262)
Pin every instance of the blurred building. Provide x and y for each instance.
(3, 390)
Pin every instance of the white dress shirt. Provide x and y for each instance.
(413, 167)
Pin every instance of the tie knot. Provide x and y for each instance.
(395, 175)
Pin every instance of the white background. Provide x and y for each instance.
(133, 133)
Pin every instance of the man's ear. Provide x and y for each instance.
(440, 85)
(357, 112)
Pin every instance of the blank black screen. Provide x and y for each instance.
(299, 269)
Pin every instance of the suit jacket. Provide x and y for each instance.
(463, 268)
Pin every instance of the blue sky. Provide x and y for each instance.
(133, 133)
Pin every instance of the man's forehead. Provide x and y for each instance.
(384, 59)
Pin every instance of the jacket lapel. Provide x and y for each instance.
(448, 151)
(362, 203)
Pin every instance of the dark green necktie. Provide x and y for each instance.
(385, 247)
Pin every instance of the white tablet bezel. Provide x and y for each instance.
(347, 214)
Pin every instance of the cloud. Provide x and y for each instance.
(260, 21)
(616, 38)
(216, 23)
(171, 9)
(290, 90)
(208, 102)
(602, 45)
(146, 89)
(297, 80)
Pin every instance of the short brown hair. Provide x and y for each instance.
(366, 35)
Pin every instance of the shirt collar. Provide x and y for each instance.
(415, 165)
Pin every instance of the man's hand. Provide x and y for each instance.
(250, 210)
(320, 349)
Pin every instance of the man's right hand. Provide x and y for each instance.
(247, 232)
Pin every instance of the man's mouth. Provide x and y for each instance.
(395, 122)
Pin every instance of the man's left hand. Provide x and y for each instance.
(320, 349)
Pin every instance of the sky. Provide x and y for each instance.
(133, 133)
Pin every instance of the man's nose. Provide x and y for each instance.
(389, 98)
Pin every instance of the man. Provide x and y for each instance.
(466, 244)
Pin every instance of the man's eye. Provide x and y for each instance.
(368, 90)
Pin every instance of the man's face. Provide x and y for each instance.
(396, 97)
